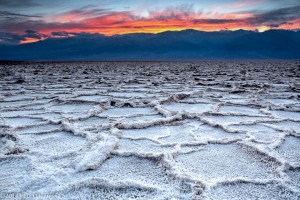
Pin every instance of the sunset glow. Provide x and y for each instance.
(143, 17)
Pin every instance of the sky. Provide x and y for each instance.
(24, 21)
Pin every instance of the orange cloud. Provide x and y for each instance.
(29, 40)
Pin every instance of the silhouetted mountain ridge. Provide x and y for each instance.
(188, 44)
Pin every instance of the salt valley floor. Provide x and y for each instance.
(150, 130)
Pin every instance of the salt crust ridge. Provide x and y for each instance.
(152, 123)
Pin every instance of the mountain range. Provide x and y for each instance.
(169, 45)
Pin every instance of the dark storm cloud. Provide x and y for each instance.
(278, 25)
(21, 24)
(279, 15)
(6, 14)
(60, 34)
(216, 21)
(34, 34)
(69, 34)
(17, 3)
(15, 38)
(10, 38)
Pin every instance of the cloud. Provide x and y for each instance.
(235, 5)
(183, 11)
(6, 14)
(105, 21)
(63, 34)
(80, 14)
(280, 24)
(17, 3)
(15, 38)
(217, 21)
(279, 15)
(34, 34)
(18, 25)
(10, 38)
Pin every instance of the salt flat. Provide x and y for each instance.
(150, 130)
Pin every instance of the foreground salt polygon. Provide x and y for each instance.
(150, 130)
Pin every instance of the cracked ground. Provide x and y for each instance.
(150, 130)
